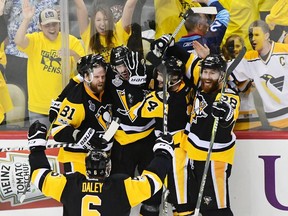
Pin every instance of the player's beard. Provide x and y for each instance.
(209, 85)
(97, 89)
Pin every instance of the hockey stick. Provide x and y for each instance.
(214, 130)
(165, 130)
(107, 136)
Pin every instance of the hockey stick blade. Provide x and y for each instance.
(111, 130)
(204, 10)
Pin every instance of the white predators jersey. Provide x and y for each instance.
(271, 80)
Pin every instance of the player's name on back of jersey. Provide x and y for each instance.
(94, 187)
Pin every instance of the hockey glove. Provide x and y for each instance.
(136, 67)
(223, 111)
(54, 110)
(158, 46)
(37, 136)
(89, 139)
(164, 145)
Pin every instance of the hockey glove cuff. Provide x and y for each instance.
(164, 145)
(89, 139)
(37, 136)
(54, 110)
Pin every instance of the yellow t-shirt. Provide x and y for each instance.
(242, 14)
(120, 38)
(44, 76)
(5, 99)
(167, 16)
(3, 59)
(265, 5)
(278, 13)
(226, 4)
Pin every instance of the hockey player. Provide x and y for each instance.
(268, 62)
(179, 107)
(127, 85)
(210, 103)
(96, 192)
(132, 147)
(85, 114)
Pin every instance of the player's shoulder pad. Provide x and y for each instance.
(76, 94)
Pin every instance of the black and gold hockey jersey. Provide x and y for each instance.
(80, 110)
(198, 131)
(179, 107)
(124, 96)
(115, 196)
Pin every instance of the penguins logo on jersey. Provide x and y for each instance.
(207, 200)
(271, 84)
(276, 82)
(198, 109)
(104, 116)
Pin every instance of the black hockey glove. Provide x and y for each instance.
(37, 136)
(223, 111)
(136, 67)
(54, 110)
(90, 140)
(164, 145)
(159, 45)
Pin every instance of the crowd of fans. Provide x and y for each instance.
(15, 69)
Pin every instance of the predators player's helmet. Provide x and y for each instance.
(88, 62)
(118, 54)
(98, 165)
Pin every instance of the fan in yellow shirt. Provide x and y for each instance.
(5, 100)
(100, 34)
(44, 74)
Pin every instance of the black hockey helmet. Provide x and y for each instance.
(118, 54)
(86, 63)
(214, 61)
(98, 164)
(174, 66)
(175, 70)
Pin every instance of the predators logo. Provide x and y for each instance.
(198, 109)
